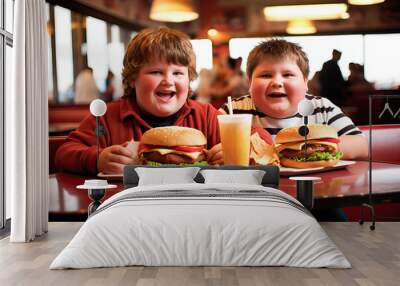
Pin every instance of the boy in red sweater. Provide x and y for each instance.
(158, 66)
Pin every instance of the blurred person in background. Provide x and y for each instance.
(85, 87)
(356, 80)
(230, 81)
(203, 89)
(217, 89)
(238, 82)
(357, 89)
(314, 87)
(331, 80)
(108, 94)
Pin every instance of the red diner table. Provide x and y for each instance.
(337, 188)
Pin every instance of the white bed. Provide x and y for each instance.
(201, 224)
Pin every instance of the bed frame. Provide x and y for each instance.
(270, 179)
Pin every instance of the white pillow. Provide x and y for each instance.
(248, 177)
(163, 176)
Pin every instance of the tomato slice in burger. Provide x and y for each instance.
(188, 148)
(142, 147)
(332, 140)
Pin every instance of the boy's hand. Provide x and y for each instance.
(214, 155)
(113, 159)
(133, 147)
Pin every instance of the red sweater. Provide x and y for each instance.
(122, 122)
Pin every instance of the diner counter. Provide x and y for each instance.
(337, 188)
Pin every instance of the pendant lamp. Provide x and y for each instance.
(173, 11)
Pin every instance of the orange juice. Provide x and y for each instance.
(235, 138)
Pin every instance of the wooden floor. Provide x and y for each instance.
(374, 255)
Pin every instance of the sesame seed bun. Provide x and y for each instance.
(316, 131)
(173, 136)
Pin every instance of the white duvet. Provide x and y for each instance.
(201, 224)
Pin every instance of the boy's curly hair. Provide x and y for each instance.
(157, 43)
(277, 48)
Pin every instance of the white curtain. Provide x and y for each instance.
(27, 124)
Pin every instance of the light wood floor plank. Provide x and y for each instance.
(374, 255)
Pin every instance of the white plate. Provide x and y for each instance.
(284, 171)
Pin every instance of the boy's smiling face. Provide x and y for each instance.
(277, 86)
(161, 88)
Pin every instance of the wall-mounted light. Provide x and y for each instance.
(173, 11)
(365, 2)
(301, 27)
(309, 12)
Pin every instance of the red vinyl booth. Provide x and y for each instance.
(385, 142)
(54, 143)
(66, 113)
(386, 149)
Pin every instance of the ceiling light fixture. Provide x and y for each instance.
(309, 12)
(301, 27)
(212, 33)
(365, 2)
(173, 11)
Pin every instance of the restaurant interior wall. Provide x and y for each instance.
(232, 18)
(242, 18)
(100, 46)
(77, 40)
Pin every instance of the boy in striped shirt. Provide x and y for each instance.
(278, 75)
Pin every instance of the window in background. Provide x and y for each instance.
(133, 34)
(382, 59)
(379, 67)
(9, 9)
(126, 36)
(318, 48)
(102, 47)
(115, 34)
(97, 52)
(115, 60)
(204, 57)
(241, 47)
(65, 77)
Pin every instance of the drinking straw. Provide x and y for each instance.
(230, 105)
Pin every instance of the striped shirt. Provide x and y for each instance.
(325, 112)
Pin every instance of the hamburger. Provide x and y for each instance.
(173, 145)
(321, 149)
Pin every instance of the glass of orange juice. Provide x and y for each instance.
(235, 133)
